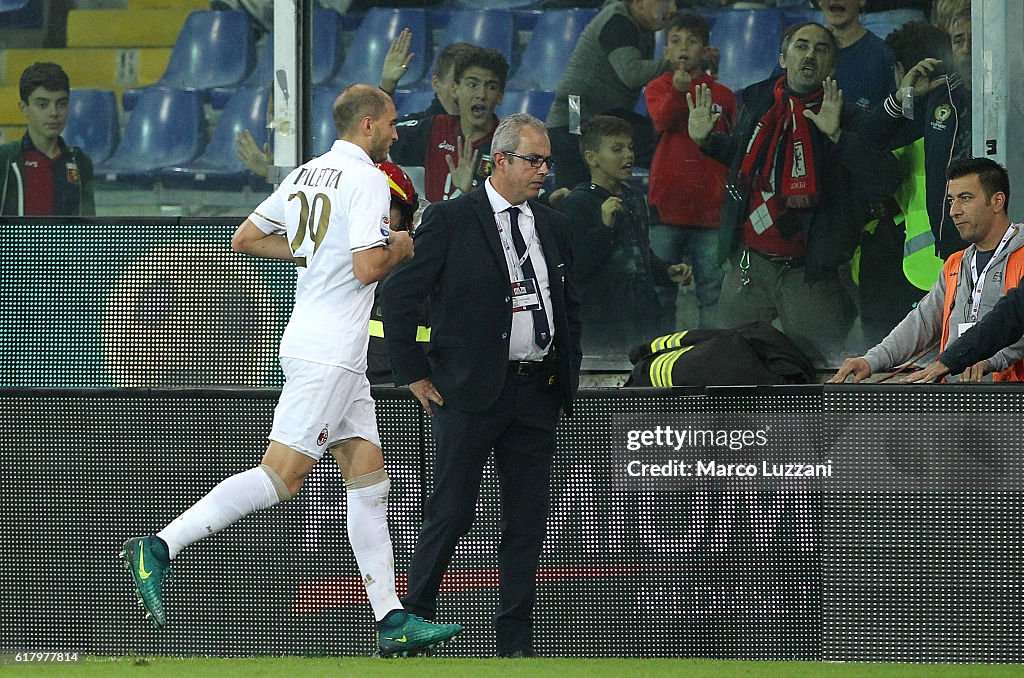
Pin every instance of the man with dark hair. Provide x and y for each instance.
(615, 269)
(330, 216)
(40, 174)
(800, 179)
(933, 101)
(455, 150)
(971, 283)
(396, 64)
(504, 358)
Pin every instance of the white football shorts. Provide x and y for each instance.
(321, 406)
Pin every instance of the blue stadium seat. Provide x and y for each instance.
(327, 56)
(494, 4)
(492, 28)
(324, 132)
(748, 40)
(551, 44)
(166, 128)
(884, 23)
(413, 101)
(219, 167)
(536, 102)
(21, 13)
(214, 49)
(379, 27)
(93, 123)
(794, 16)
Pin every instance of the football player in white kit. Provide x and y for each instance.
(331, 217)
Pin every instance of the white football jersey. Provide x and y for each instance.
(328, 208)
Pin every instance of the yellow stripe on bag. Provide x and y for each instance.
(661, 367)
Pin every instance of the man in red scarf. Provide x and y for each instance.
(800, 180)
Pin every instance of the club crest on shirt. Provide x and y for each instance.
(72, 173)
(385, 225)
(942, 112)
(322, 438)
(486, 166)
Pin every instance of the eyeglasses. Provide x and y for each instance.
(535, 160)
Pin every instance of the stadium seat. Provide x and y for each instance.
(551, 44)
(536, 102)
(884, 23)
(494, 4)
(166, 128)
(492, 28)
(324, 132)
(93, 123)
(748, 41)
(379, 27)
(413, 101)
(327, 56)
(125, 27)
(21, 13)
(219, 167)
(794, 16)
(214, 49)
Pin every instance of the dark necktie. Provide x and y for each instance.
(541, 332)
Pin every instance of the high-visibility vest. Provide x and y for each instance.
(1012, 276)
(920, 264)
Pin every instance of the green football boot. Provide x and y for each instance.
(147, 561)
(401, 634)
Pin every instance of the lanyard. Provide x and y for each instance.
(512, 258)
(979, 279)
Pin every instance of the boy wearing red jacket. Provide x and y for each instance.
(687, 187)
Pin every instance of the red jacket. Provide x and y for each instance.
(686, 186)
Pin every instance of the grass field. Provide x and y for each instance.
(287, 667)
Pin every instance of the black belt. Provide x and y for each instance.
(780, 259)
(525, 367)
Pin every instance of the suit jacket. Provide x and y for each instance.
(460, 266)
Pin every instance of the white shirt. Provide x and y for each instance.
(343, 201)
(521, 344)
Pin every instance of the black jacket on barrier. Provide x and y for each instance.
(460, 267)
(996, 330)
(852, 174)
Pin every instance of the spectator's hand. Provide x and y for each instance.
(711, 59)
(919, 78)
(558, 195)
(426, 393)
(681, 274)
(857, 368)
(396, 61)
(610, 209)
(702, 120)
(401, 243)
(681, 80)
(976, 371)
(257, 160)
(827, 117)
(933, 372)
(462, 174)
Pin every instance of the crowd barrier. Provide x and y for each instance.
(837, 523)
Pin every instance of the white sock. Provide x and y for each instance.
(227, 503)
(371, 542)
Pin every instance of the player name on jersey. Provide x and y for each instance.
(319, 176)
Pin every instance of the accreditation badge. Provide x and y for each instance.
(525, 296)
(71, 172)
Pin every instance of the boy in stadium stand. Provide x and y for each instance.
(800, 176)
(615, 269)
(687, 187)
(396, 64)
(40, 174)
(941, 110)
(330, 217)
(455, 151)
(971, 282)
(612, 62)
(864, 69)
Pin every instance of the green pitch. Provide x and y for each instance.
(287, 667)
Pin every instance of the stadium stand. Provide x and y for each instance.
(748, 41)
(413, 101)
(379, 27)
(125, 27)
(93, 122)
(219, 167)
(167, 128)
(214, 49)
(536, 102)
(491, 28)
(324, 132)
(551, 42)
(21, 13)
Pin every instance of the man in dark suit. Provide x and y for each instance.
(503, 363)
